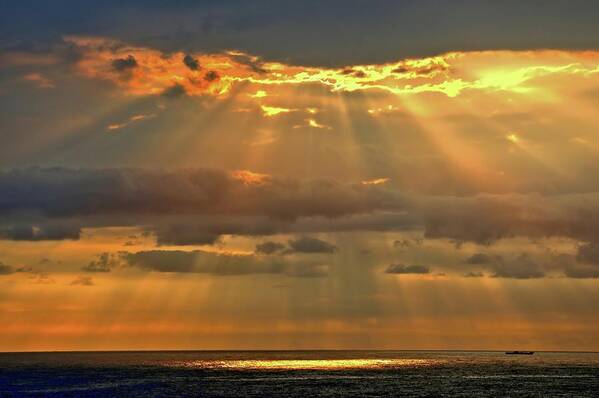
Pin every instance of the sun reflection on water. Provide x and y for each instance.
(299, 364)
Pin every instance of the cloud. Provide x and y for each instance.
(450, 74)
(124, 64)
(407, 269)
(174, 91)
(203, 262)
(376, 181)
(104, 262)
(404, 243)
(473, 274)
(184, 234)
(269, 111)
(6, 269)
(56, 203)
(41, 278)
(49, 230)
(581, 272)
(83, 281)
(521, 267)
(211, 76)
(313, 123)
(269, 247)
(588, 253)
(39, 80)
(306, 244)
(479, 258)
(132, 119)
(302, 244)
(58, 192)
(191, 62)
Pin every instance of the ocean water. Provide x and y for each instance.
(298, 374)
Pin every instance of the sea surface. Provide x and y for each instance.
(298, 374)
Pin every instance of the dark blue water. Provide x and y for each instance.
(298, 374)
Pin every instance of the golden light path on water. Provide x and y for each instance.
(300, 364)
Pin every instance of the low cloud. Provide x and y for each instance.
(474, 275)
(407, 269)
(105, 262)
(588, 253)
(198, 206)
(50, 230)
(269, 247)
(6, 269)
(520, 267)
(83, 281)
(582, 272)
(202, 262)
(306, 244)
(480, 258)
(406, 243)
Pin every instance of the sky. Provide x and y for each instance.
(299, 175)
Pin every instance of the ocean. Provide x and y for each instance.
(299, 374)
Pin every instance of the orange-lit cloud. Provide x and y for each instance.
(39, 80)
(376, 181)
(259, 94)
(144, 71)
(269, 111)
(250, 178)
(135, 118)
(317, 125)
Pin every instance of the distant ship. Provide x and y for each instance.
(519, 352)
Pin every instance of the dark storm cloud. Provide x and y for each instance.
(184, 234)
(407, 269)
(195, 206)
(52, 231)
(342, 32)
(191, 62)
(269, 247)
(59, 192)
(124, 64)
(202, 262)
(306, 244)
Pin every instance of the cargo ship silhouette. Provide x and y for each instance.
(519, 352)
